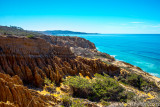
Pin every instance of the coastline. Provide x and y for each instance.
(124, 65)
(142, 55)
(153, 74)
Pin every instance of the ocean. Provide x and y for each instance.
(142, 50)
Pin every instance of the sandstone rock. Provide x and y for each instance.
(13, 91)
(69, 41)
(6, 104)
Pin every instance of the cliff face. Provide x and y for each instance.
(14, 94)
(69, 41)
(79, 46)
(34, 59)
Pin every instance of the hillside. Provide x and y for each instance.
(69, 71)
(16, 31)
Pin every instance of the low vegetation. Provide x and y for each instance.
(30, 36)
(105, 103)
(79, 91)
(68, 101)
(139, 82)
(49, 86)
(102, 87)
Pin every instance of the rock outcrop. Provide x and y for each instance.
(69, 41)
(14, 94)
(34, 59)
(79, 46)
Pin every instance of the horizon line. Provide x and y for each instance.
(80, 31)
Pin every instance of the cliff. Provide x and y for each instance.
(78, 46)
(14, 94)
(34, 59)
(69, 41)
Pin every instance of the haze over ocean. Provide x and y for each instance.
(142, 50)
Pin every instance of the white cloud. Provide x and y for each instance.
(136, 22)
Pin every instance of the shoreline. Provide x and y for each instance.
(134, 69)
(153, 74)
(148, 64)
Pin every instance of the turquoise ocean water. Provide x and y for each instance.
(142, 50)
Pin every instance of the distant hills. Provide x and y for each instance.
(55, 32)
(18, 31)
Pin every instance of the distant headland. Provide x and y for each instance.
(55, 32)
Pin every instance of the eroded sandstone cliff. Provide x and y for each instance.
(79, 46)
(34, 59)
(14, 94)
(69, 41)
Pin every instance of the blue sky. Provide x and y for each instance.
(101, 16)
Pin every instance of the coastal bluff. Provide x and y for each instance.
(25, 63)
(35, 59)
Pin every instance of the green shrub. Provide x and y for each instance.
(99, 88)
(48, 82)
(77, 82)
(139, 82)
(30, 36)
(130, 95)
(77, 103)
(105, 103)
(49, 86)
(81, 86)
(66, 100)
(106, 88)
(134, 80)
